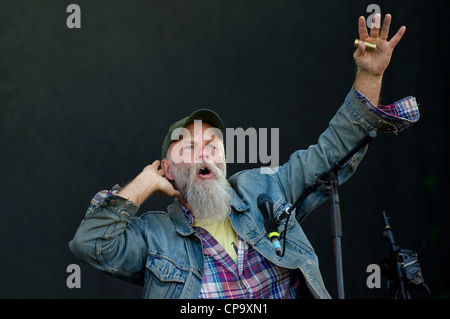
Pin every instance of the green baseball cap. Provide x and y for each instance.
(206, 115)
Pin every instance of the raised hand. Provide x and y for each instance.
(150, 180)
(376, 62)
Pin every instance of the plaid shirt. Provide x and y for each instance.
(253, 277)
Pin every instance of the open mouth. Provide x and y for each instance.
(205, 173)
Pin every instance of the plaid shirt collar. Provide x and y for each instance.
(187, 213)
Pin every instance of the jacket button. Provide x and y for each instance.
(112, 202)
(200, 269)
(196, 239)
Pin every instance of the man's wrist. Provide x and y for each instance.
(138, 190)
(369, 85)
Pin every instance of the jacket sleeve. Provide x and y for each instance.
(110, 238)
(350, 124)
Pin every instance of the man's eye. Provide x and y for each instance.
(189, 147)
(211, 147)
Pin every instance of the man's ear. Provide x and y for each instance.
(167, 169)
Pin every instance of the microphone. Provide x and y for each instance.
(265, 205)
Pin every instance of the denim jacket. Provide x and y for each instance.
(160, 249)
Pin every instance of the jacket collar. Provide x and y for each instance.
(181, 222)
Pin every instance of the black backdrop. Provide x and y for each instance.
(84, 109)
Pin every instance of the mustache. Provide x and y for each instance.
(205, 167)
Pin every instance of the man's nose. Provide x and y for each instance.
(201, 154)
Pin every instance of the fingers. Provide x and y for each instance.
(375, 26)
(158, 170)
(397, 37)
(376, 32)
(362, 30)
(156, 164)
(360, 50)
(177, 194)
(385, 28)
(170, 191)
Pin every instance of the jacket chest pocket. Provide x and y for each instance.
(164, 278)
(279, 208)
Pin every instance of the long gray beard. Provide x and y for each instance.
(209, 199)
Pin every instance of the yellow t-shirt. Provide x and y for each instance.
(225, 235)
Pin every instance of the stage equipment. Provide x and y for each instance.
(329, 180)
(401, 267)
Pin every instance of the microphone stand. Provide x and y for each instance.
(330, 180)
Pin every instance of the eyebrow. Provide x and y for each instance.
(193, 142)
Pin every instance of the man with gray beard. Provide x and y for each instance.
(211, 242)
(209, 199)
